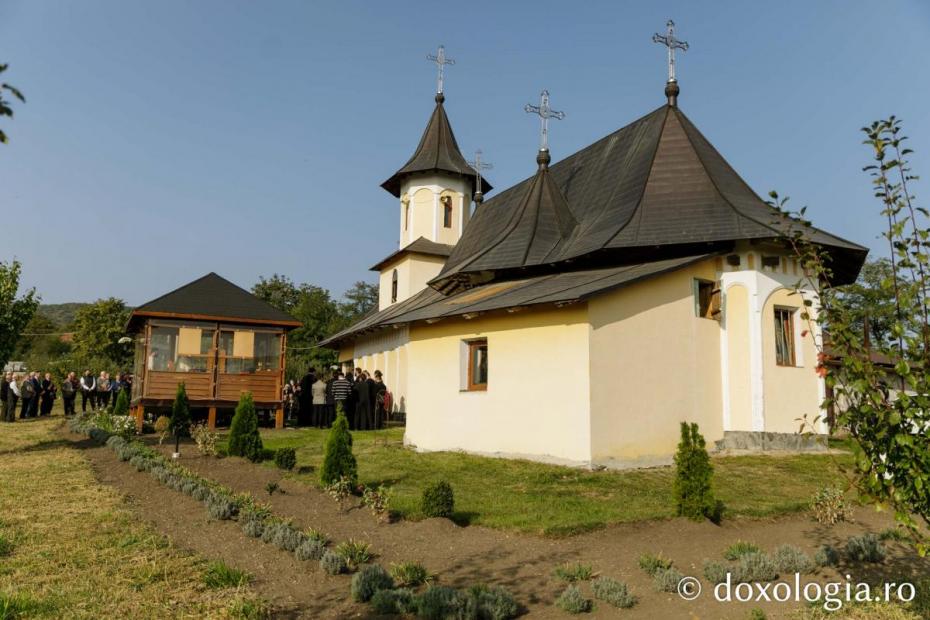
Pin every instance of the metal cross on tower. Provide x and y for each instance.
(441, 61)
(669, 41)
(545, 113)
(479, 165)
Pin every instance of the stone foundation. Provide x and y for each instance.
(757, 441)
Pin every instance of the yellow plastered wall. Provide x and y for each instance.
(790, 391)
(739, 384)
(654, 364)
(422, 209)
(537, 400)
(413, 272)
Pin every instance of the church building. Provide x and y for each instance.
(579, 316)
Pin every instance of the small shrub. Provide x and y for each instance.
(249, 609)
(494, 603)
(390, 602)
(441, 602)
(865, 548)
(790, 559)
(332, 563)
(739, 549)
(410, 574)
(574, 572)
(253, 527)
(219, 575)
(612, 591)
(368, 581)
(827, 555)
(694, 496)
(6, 547)
(715, 572)
(338, 460)
(163, 428)
(340, 490)
(755, 567)
(201, 493)
(309, 550)
(205, 439)
(115, 442)
(286, 458)
(355, 552)
(438, 500)
(244, 439)
(121, 406)
(377, 500)
(895, 533)
(573, 601)
(221, 508)
(287, 538)
(179, 425)
(757, 614)
(829, 506)
(653, 563)
(666, 580)
(313, 534)
(271, 488)
(271, 532)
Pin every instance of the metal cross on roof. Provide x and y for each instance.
(441, 61)
(670, 42)
(479, 165)
(545, 113)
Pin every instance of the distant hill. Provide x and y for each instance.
(62, 314)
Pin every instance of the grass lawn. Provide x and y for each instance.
(554, 500)
(70, 548)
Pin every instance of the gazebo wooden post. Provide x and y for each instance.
(211, 418)
(279, 417)
(139, 415)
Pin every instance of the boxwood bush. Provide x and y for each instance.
(438, 500)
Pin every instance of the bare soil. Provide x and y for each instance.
(463, 556)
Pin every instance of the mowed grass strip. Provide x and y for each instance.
(78, 551)
(554, 500)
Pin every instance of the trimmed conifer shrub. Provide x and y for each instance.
(122, 403)
(392, 602)
(694, 495)
(180, 413)
(368, 581)
(285, 458)
(244, 439)
(438, 500)
(338, 460)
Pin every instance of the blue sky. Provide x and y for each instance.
(163, 140)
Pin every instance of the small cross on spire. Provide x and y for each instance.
(478, 165)
(441, 61)
(669, 41)
(545, 113)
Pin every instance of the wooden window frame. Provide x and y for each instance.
(394, 286)
(788, 327)
(713, 309)
(473, 346)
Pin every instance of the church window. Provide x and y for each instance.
(784, 337)
(394, 286)
(478, 365)
(706, 299)
(446, 211)
(406, 215)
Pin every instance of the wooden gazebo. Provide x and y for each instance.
(217, 338)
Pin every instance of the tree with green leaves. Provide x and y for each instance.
(98, 328)
(180, 413)
(244, 438)
(15, 310)
(882, 401)
(694, 494)
(338, 460)
(5, 109)
(870, 303)
(360, 299)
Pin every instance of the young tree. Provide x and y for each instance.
(5, 109)
(885, 410)
(98, 328)
(121, 407)
(244, 438)
(180, 413)
(338, 460)
(694, 495)
(15, 312)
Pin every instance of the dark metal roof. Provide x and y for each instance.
(656, 184)
(214, 296)
(560, 288)
(421, 245)
(437, 152)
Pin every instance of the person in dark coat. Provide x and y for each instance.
(378, 391)
(27, 394)
(69, 389)
(331, 399)
(362, 391)
(5, 397)
(47, 394)
(305, 397)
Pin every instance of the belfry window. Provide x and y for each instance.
(477, 365)
(446, 211)
(706, 299)
(406, 215)
(784, 337)
(394, 286)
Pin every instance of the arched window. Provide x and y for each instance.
(394, 286)
(406, 214)
(446, 211)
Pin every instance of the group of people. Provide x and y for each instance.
(35, 393)
(364, 397)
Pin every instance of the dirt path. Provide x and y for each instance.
(463, 556)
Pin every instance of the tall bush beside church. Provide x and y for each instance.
(338, 460)
(694, 495)
(180, 413)
(244, 438)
